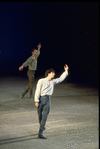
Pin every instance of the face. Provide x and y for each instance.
(52, 74)
(34, 52)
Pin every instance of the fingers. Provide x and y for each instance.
(66, 67)
(37, 105)
(39, 43)
(20, 68)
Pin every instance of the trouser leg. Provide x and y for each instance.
(39, 110)
(23, 94)
(43, 112)
(30, 74)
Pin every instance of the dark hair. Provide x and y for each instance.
(33, 50)
(49, 71)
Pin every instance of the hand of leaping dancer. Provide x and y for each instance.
(66, 67)
(21, 68)
(39, 45)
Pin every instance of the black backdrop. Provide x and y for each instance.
(68, 32)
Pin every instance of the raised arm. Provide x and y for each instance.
(63, 76)
(38, 51)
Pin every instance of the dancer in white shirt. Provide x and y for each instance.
(44, 90)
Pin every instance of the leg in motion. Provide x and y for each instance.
(23, 94)
(31, 82)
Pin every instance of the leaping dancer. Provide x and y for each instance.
(31, 62)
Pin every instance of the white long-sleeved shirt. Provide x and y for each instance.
(44, 87)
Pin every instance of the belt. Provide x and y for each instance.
(46, 96)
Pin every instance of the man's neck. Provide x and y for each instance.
(49, 78)
(33, 55)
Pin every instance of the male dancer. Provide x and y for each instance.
(44, 90)
(31, 62)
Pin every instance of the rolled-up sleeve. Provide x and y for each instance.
(38, 91)
(61, 78)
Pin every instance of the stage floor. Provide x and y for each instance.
(73, 121)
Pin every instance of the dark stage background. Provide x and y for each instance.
(68, 32)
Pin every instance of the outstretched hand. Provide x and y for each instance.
(21, 68)
(66, 67)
